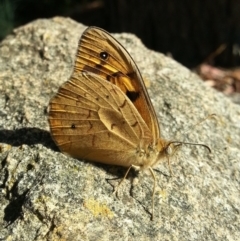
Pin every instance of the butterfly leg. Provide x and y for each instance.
(153, 192)
(116, 190)
(170, 167)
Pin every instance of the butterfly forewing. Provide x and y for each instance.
(99, 53)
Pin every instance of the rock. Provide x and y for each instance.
(47, 195)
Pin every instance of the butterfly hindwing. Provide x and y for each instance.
(96, 121)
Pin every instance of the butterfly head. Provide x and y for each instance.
(167, 148)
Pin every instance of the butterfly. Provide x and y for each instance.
(103, 113)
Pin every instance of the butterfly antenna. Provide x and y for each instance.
(193, 144)
(212, 116)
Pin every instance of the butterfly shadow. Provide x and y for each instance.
(27, 136)
(117, 173)
(32, 136)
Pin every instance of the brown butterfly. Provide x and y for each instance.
(103, 113)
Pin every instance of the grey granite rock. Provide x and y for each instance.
(46, 195)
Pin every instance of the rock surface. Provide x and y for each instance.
(46, 195)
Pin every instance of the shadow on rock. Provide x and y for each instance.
(27, 136)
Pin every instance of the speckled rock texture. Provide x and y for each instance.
(46, 195)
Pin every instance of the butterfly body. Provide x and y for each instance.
(92, 122)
